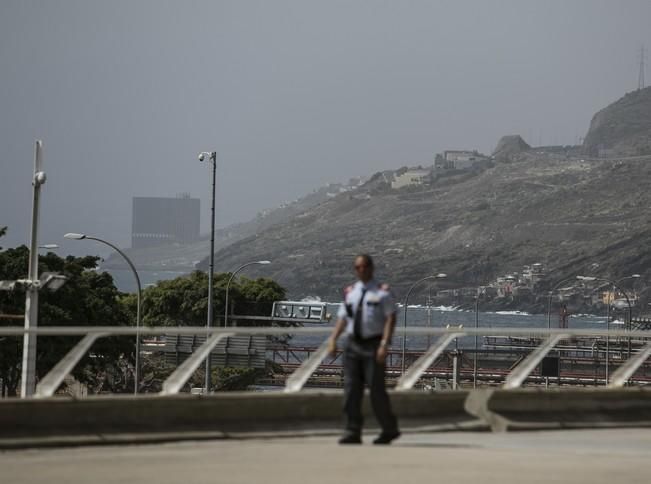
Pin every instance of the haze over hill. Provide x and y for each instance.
(292, 94)
(549, 205)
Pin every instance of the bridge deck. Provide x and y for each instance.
(590, 456)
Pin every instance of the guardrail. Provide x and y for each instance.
(175, 382)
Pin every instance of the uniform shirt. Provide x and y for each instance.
(378, 304)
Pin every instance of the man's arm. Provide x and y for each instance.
(336, 331)
(387, 334)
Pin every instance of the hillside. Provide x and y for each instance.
(566, 214)
(549, 205)
(623, 128)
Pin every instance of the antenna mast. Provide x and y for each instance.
(640, 78)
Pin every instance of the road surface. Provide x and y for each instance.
(609, 456)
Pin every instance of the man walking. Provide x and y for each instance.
(367, 316)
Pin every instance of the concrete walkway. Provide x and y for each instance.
(609, 456)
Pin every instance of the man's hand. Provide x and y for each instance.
(332, 346)
(381, 354)
(332, 341)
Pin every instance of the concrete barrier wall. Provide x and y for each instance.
(575, 407)
(225, 414)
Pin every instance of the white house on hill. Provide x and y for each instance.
(412, 177)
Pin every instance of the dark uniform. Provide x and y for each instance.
(365, 309)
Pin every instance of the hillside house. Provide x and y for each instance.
(412, 177)
(505, 284)
(533, 274)
(459, 160)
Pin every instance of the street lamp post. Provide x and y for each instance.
(404, 322)
(474, 359)
(628, 320)
(615, 285)
(211, 157)
(549, 302)
(28, 371)
(230, 279)
(76, 236)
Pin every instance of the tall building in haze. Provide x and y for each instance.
(160, 221)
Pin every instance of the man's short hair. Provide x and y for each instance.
(368, 260)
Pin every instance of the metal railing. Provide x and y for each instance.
(48, 385)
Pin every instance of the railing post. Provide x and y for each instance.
(456, 369)
(50, 382)
(410, 377)
(176, 380)
(297, 379)
(626, 370)
(522, 371)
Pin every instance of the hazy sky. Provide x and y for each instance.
(292, 94)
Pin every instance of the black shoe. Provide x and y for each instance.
(386, 438)
(350, 439)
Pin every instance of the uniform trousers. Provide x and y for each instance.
(361, 367)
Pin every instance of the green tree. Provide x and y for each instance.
(176, 302)
(87, 298)
(184, 301)
(253, 297)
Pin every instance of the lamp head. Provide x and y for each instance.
(74, 236)
(48, 246)
(264, 262)
(210, 155)
(39, 178)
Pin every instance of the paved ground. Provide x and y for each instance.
(576, 456)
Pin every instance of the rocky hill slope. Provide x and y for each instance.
(567, 214)
(622, 128)
(510, 148)
(573, 213)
